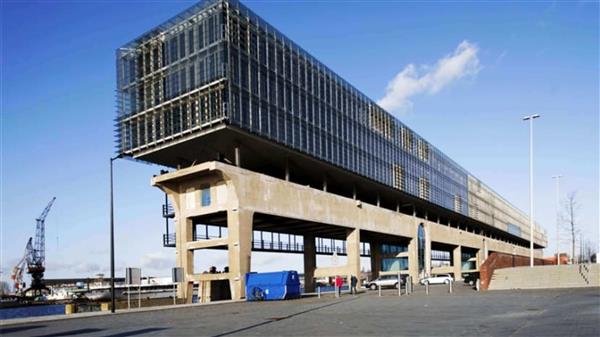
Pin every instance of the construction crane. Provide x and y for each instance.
(17, 272)
(35, 256)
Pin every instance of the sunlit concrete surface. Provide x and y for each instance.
(565, 312)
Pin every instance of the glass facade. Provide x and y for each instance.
(421, 247)
(218, 63)
(394, 264)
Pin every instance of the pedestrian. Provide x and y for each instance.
(353, 281)
(338, 284)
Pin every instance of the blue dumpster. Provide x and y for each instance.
(274, 286)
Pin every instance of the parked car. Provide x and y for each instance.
(385, 281)
(470, 278)
(437, 279)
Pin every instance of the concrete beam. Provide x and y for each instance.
(207, 243)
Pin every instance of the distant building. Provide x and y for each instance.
(232, 104)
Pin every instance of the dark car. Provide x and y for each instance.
(470, 278)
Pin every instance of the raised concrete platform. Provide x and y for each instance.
(242, 200)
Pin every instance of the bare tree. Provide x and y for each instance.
(570, 219)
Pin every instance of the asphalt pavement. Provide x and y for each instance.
(558, 312)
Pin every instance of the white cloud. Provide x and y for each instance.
(413, 80)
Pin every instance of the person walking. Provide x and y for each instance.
(353, 281)
(338, 285)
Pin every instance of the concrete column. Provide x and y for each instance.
(353, 250)
(238, 157)
(184, 258)
(413, 249)
(485, 250)
(375, 259)
(457, 263)
(427, 249)
(324, 184)
(310, 262)
(413, 259)
(287, 170)
(239, 230)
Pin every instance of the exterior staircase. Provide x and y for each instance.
(539, 277)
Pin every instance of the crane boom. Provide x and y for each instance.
(17, 272)
(39, 251)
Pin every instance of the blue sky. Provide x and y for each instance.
(58, 82)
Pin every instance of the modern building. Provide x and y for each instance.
(266, 139)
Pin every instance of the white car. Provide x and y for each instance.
(385, 281)
(437, 279)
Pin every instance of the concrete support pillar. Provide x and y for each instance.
(324, 184)
(378, 200)
(353, 250)
(413, 249)
(354, 192)
(239, 230)
(184, 258)
(457, 263)
(287, 170)
(485, 250)
(238, 157)
(427, 249)
(413, 259)
(375, 259)
(310, 263)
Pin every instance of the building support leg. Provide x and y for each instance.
(457, 263)
(184, 258)
(427, 250)
(353, 250)
(239, 230)
(375, 259)
(238, 157)
(413, 259)
(310, 263)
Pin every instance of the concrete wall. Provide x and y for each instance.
(498, 260)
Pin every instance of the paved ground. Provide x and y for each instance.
(571, 312)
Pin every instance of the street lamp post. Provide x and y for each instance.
(112, 238)
(557, 179)
(530, 118)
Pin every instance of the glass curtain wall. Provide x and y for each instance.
(279, 91)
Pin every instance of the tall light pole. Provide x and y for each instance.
(530, 118)
(557, 179)
(112, 238)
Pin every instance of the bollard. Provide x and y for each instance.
(174, 294)
(69, 309)
(426, 288)
(478, 284)
(379, 287)
(319, 291)
(409, 285)
(399, 285)
(450, 286)
(335, 288)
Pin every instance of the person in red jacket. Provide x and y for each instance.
(338, 283)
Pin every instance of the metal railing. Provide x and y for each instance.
(273, 246)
